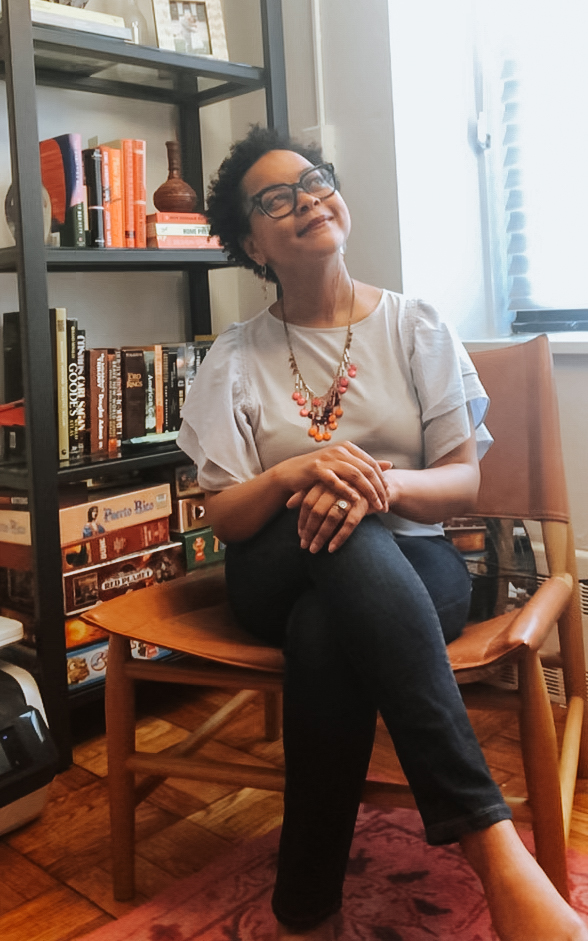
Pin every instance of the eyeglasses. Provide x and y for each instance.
(281, 199)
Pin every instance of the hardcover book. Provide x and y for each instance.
(106, 196)
(58, 321)
(81, 347)
(171, 414)
(183, 241)
(140, 192)
(124, 146)
(133, 392)
(111, 159)
(176, 228)
(72, 387)
(92, 161)
(115, 401)
(96, 401)
(183, 218)
(150, 417)
(12, 356)
(62, 176)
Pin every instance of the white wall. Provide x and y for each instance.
(437, 159)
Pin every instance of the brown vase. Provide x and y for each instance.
(175, 195)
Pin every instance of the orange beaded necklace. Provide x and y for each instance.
(323, 410)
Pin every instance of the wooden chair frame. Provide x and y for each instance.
(192, 617)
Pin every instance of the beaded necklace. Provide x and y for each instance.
(323, 410)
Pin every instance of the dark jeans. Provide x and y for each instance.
(363, 630)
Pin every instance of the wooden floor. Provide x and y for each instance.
(54, 872)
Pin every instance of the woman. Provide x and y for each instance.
(329, 503)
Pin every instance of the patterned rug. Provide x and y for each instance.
(397, 889)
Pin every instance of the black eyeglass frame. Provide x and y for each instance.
(257, 198)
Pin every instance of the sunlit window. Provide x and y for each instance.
(535, 69)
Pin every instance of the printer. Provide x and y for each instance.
(28, 757)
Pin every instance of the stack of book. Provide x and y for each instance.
(104, 396)
(98, 194)
(179, 230)
(117, 190)
(73, 17)
(98, 198)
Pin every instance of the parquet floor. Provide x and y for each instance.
(54, 872)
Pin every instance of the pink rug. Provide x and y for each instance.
(397, 889)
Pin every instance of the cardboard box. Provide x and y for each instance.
(83, 588)
(187, 514)
(201, 547)
(88, 664)
(94, 516)
(115, 544)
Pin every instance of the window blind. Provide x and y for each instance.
(535, 108)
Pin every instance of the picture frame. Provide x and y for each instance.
(192, 27)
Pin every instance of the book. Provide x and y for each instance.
(106, 198)
(81, 348)
(183, 241)
(58, 322)
(12, 356)
(83, 519)
(115, 401)
(202, 344)
(68, 17)
(92, 161)
(150, 418)
(176, 228)
(185, 218)
(158, 353)
(111, 156)
(83, 588)
(133, 392)
(72, 387)
(62, 176)
(170, 389)
(96, 401)
(140, 192)
(112, 545)
(124, 146)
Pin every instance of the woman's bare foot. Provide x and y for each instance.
(524, 904)
(328, 930)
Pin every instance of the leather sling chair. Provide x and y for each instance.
(522, 479)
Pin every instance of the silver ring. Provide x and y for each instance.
(342, 504)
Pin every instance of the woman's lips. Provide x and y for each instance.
(319, 220)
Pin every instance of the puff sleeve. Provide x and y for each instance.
(446, 383)
(216, 427)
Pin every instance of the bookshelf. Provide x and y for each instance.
(93, 64)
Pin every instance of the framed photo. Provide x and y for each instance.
(194, 27)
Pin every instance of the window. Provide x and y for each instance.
(534, 76)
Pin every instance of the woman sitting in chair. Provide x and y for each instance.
(332, 433)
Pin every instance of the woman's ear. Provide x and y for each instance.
(249, 247)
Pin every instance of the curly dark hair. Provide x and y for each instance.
(226, 209)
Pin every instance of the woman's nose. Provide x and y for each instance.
(305, 201)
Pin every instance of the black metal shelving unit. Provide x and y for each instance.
(34, 55)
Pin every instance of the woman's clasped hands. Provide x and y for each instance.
(343, 484)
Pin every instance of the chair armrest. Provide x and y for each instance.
(534, 621)
(487, 643)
